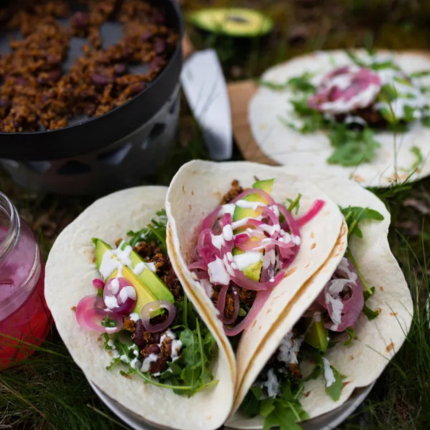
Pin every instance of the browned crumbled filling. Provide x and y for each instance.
(149, 343)
(35, 93)
(369, 114)
(246, 297)
(234, 191)
(295, 370)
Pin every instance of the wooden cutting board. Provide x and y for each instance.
(240, 94)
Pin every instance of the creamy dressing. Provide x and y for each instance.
(139, 268)
(218, 273)
(218, 240)
(126, 293)
(227, 209)
(110, 329)
(109, 264)
(328, 373)
(115, 286)
(134, 316)
(123, 255)
(247, 259)
(245, 204)
(407, 95)
(241, 223)
(270, 229)
(227, 232)
(147, 362)
(111, 302)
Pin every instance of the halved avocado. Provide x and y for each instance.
(149, 278)
(236, 22)
(317, 334)
(254, 270)
(143, 293)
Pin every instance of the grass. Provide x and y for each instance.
(48, 391)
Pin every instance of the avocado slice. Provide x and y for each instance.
(317, 334)
(254, 270)
(235, 22)
(149, 278)
(143, 293)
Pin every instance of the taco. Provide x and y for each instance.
(354, 114)
(127, 322)
(348, 331)
(244, 240)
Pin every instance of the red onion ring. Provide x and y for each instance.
(209, 221)
(291, 222)
(259, 302)
(154, 306)
(221, 305)
(311, 213)
(90, 313)
(123, 294)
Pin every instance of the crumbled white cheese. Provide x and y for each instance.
(272, 384)
(289, 348)
(328, 373)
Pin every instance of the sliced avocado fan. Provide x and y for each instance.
(235, 22)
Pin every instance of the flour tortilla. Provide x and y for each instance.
(69, 272)
(310, 151)
(378, 340)
(196, 191)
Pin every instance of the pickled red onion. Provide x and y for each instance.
(154, 306)
(350, 306)
(90, 313)
(120, 296)
(312, 212)
(221, 304)
(98, 283)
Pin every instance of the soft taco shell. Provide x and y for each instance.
(394, 159)
(69, 272)
(197, 190)
(377, 341)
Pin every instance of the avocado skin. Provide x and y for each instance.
(317, 335)
(242, 22)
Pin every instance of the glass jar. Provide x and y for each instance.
(24, 316)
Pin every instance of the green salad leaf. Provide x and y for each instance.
(153, 232)
(334, 390)
(354, 215)
(283, 411)
(351, 336)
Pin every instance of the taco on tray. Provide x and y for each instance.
(337, 311)
(354, 114)
(126, 320)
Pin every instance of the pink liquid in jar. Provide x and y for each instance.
(24, 316)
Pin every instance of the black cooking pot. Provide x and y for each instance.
(112, 151)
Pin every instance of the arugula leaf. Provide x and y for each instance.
(426, 121)
(354, 215)
(107, 322)
(285, 416)
(419, 158)
(335, 388)
(294, 204)
(351, 334)
(154, 232)
(420, 74)
(355, 59)
(370, 314)
(299, 83)
(251, 403)
(353, 147)
(368, 294)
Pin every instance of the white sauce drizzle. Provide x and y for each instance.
(272, 384)
(147, 362)
(218, 273)
(247, 259)
(245, 204)
(227, 209)
(111, 302)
